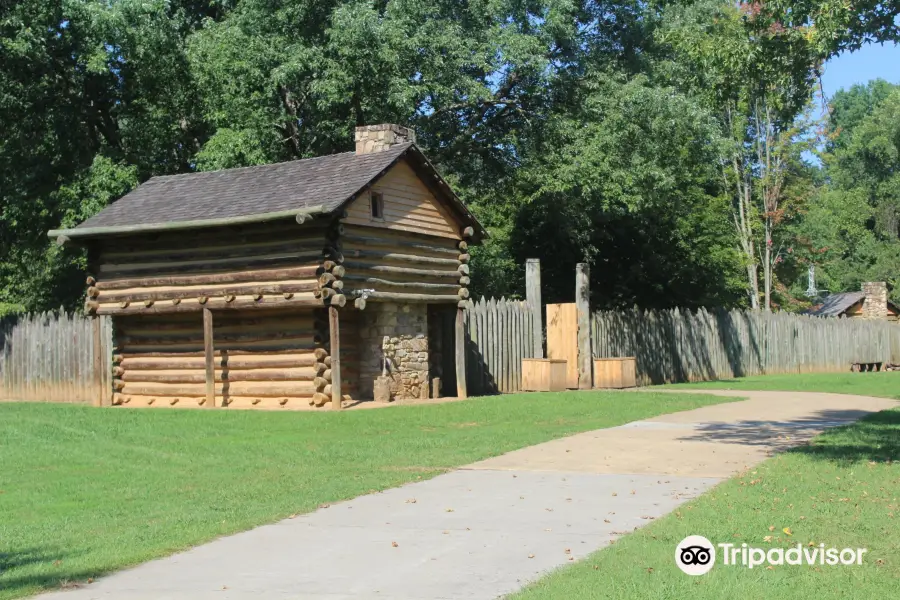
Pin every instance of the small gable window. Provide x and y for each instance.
(377, 204)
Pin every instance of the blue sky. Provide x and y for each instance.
(869, 62)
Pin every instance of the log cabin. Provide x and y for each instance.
(871, 302)
(293, 285)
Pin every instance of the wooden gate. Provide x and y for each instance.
(562, 338)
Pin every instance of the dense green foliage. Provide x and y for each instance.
(850, 227)
(577, 130)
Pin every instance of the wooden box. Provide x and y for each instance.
(543, 375)
(615, 373)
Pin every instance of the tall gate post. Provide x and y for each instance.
(583, 309)
(533, 300)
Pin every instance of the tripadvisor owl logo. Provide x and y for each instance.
(695, 555)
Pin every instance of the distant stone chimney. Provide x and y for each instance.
(375, 138)
(875, 304)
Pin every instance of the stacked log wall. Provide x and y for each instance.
(263, 360)
(381, 264)
(266, 265)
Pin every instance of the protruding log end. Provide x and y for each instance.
(468, 232)
(90, 280)
(360, 303)
(93, 292)
(326, 279)
(320, 382)
(148, 303)
(91, 307)
(463, 293)
(339, 271)
(464, 280)
(463, 246)
(337, 285)
(339, 300)
(464, 269)
(464, 258)
(328, 265)
(319, 398)
(320, 354)
(463, 304)
(202, 299)
(320, 367)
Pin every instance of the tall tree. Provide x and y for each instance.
(719, 59)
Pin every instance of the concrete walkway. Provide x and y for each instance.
(488, 529)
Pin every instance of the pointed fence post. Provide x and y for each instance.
(533, 299)
(583, 310)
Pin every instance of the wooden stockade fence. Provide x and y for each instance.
(50, 357)
(680, 345)
(499, 334)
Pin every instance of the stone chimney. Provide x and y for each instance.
(375, 138)
(875, 302)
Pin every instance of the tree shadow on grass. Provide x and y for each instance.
(32, 570)
(876, 437)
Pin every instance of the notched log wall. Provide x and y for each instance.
(266, 359)
(402, 267)
(228, 268)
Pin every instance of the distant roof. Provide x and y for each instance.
(315, 185)
(836, 304)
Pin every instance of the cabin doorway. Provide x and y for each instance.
(442, 348)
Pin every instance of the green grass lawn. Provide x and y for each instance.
(86, 491)
(884, 384)
(843, 490)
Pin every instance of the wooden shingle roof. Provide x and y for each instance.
(836, 304)
(314, 185)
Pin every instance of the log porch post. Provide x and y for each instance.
(335, 335)
(460, 340)
(98, 360)
(209, 356)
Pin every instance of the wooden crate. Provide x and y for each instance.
(615, 373)
(543, 375)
